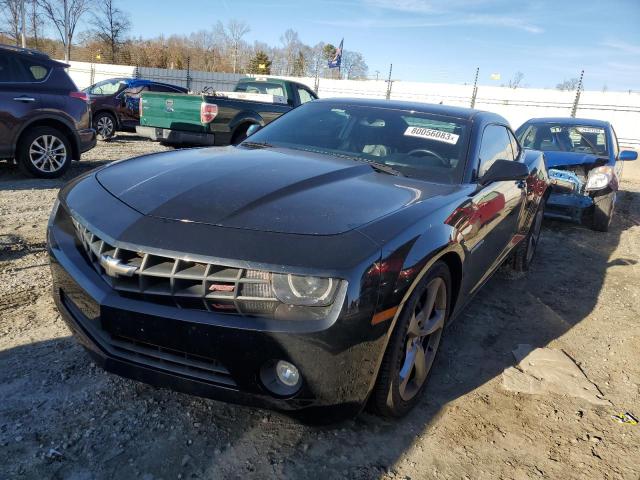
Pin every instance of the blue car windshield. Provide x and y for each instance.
(418, 145)
(550, 137)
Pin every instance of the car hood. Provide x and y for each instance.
(567, 159)
(277, 190)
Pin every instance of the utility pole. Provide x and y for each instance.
(24, 24)
(574, 110)
(475, 89)
(389, 82)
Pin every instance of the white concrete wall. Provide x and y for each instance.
(622, 109)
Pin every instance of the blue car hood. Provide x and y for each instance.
(565, 159)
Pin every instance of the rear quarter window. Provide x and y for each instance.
(33, 71)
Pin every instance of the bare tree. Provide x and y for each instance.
(110, 26)
(64, 15)
(12, 14)
(291, 44)
(236, 29)
(516, 80)
(568, 85)
(35, 21)
(353, 65)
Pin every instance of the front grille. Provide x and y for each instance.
(168, 359)
(177, 282)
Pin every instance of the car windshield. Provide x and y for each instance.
(107, 87)
(418, 145)
(550, 137)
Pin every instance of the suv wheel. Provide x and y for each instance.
(44, 152)
(105, 125)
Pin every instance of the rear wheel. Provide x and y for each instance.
(413, 345)
(523, 256)
(105, 125)
(44, 152)
(240, 134)
(603, 206)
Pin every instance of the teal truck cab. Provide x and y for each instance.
(221, 118)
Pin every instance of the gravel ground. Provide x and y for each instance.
(61, 417)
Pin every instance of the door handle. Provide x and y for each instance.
(24, 99)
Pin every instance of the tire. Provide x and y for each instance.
(240, 134)
(403, 375)
(44, 152)
(525, 252)
(105, 125)
(603, 206)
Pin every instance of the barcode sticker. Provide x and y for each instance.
(437, 135)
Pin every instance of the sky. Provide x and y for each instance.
(438, 41)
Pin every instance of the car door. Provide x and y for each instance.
(496, 207)
(129, 105)
(19, 101)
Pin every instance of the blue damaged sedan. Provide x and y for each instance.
(584, 164)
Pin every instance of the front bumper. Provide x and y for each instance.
(165, 135)
(568, 206)
(210, 354)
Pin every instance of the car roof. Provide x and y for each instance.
(570, 121)
(31, 54)
(436, 109)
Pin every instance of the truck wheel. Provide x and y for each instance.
(603, 206)
(240, 134)
(524, 253)
(44, 152)
(105, 125)
(413, 345)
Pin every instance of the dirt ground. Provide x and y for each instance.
(61, 417)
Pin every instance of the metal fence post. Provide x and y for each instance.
(574, 110)
(189, 73)
(389, 82)
(136, 72)
(475, 89)
(92, 74)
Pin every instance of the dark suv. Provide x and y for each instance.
(45, 122)
(114, 102)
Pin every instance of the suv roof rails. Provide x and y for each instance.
(28, 51)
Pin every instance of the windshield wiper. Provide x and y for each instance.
(256, 144)
(382, 167)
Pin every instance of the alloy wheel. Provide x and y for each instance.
(423, 338)
(104, 126)
(48, 153)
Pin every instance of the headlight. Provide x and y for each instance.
(302, 290)
(599, 178)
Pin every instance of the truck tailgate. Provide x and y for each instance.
(174, 111)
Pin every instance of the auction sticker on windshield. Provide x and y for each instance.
(437, 135)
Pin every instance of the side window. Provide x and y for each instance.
(35, 72)
(514, 145)
(614, 147)
(496, 145)
(304, 95)
(154, 87)
(8, 70)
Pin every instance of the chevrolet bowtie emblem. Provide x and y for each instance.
(115, 268)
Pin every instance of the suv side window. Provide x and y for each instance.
(304, 95)
(496, 145)
(9, 71)
(33, 71)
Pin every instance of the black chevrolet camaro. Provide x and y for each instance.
(312, 268)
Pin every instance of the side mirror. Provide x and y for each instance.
(627, 155)
(502, 170)
(253, 129)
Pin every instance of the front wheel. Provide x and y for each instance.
(603, 206)
(105, 125)
(413, 345)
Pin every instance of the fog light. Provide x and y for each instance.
(281, 378)
(287, 373)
